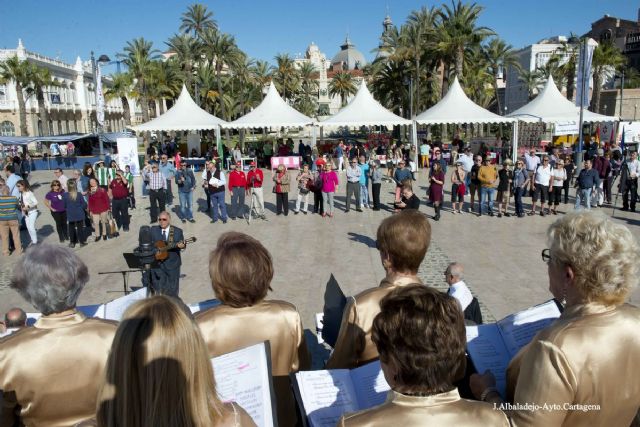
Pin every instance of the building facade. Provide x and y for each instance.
(70, 100)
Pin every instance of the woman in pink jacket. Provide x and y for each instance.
(329, 186)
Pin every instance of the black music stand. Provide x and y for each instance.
(133, 262)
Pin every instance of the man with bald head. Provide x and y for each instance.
(459, 290)
(15, 318)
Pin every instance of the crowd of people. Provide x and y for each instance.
(153, 367)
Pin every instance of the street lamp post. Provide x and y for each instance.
(98, 85)
(621, 91)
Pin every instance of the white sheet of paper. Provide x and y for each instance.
(215, 182)
(114, 310)
(327, 395)
(33, 318)
(319, 326)
(203, 305)
(243, 377)
(370, 384)
(96, 310)
(519, 329)
(487, 351)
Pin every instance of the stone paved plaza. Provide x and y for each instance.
(501, 255)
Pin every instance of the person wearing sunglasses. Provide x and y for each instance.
(54, 200)
(542, 178)
(165, 277)
(520, 182)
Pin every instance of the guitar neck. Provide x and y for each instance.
(175, 244)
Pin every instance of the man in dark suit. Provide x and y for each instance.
(165, 277)
(459, 290)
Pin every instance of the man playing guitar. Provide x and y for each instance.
(166, 276)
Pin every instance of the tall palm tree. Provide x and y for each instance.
(120, 87)
(197, 19)
(479, 82)
(342, 85)
(414, 37)
(553, 69)
(139, 56)
(499, 56)
(261, 73)
(285, 76)
(457, 31)
(164, 82)
(221, 50)
(388, 88)
(187, 51)
(13, 69)
(307, 97)
(606, 56)
(208, 88)
(39, 80)
(570, 51)
(532, 81)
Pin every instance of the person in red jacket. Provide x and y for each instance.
(255, 179)
(237, 188)
(119, 189)
(98, 208)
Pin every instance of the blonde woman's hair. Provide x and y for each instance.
(158, 372)
(72, 189)
(602, 254)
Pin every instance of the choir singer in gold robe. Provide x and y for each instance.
(50, 373)
(241, 271)
(402, 240)
(583, 369)
(421, 338)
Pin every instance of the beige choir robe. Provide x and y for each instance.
(443, 409)
(50, 373)
(589, 356)
(353, 345)
(226, 329)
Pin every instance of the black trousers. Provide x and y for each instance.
(165, 281)
(375, 189)
(157, 199)
(76, 232)
(352, 188)
(169, 197)
(318, 202)
(555, 195)
(632, 187)
(120, 210)
(565, 188)
(61, 225)
(282, 203)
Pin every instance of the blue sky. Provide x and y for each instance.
(68, 28)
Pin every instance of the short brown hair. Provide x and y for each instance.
(406, 185)
(241, 270)
(420, 332)
(405, 238)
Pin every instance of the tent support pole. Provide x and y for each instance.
(514, 139)
(219, 144)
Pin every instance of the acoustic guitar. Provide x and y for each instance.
(164, 247)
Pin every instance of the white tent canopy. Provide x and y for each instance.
(457, 108)
(273, 111)
(364, 110)
(550, 106)
(184, 115)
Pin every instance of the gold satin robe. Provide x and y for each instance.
(354, 346)
(226, 329)
(444, 409)
(51, 373)
(589, 356)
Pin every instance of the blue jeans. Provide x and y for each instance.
(145, 188)
(186, 204)
(467, 181)
(518, 196)
(583, 194)
(217, 202)
(364, 194)
(486, 193)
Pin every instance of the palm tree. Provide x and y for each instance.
(479, 82)
(187, 51)
(569, 51)
(221, 50)
(457, 32)
(499, 56)
(532, 81)
(388, 88)
(284, 75)
(261, 73)
(120, 87)
(208, 88)
(307, 99)
(39, 80)
(197, 19)
(342, 85)
(606, 56)
(17, 71)
(163, 83)
(553, 69)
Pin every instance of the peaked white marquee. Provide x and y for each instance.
(364, 110)
(273, 111)
(457, 108)
(184, 115)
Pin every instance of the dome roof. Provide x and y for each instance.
(349, 56)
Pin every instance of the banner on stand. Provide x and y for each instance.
(128, 154)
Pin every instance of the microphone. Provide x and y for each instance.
(146, 249)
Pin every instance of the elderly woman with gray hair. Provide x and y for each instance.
(584, 366)
(51, 372)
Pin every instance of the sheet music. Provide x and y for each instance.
(32, 318)
(519, 329)
(487, 351)
(203, 305)
(326, 395)
(215, 182)
(243, 377)
(95, 310)
(114, 310)
(319, 326)
(371, 386)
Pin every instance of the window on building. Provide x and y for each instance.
(51, 127)
(59, 127)
(3, 93)
(7, 128)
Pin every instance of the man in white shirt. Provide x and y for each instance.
(531, 162)
(633, 169)
(62, 178)
(541, 186)
(459, 290)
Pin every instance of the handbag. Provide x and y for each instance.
(462, 189)
(113, 228)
